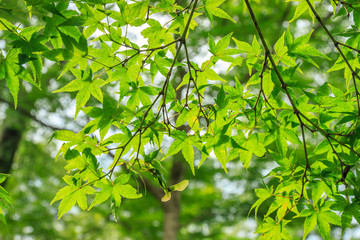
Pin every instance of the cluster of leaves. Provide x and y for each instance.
(90, 39)
(65, 39)
(6, 202)
(321, 114)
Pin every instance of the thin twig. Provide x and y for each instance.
(336, 44)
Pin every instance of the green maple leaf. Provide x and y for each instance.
(300, 47)
(85, 86)
(212, 8)
(77, 196)
(103, 117)
(273, 230)
(188, 153)
(117, 191)
(321, 217)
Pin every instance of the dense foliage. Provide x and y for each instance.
(135, 104)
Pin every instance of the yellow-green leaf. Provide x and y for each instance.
(180, 186)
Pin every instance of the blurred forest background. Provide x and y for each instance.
(214, 206)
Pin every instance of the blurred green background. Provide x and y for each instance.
(214, 206)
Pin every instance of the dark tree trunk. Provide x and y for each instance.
(171, 217)
(172, 207)
(10, 136)
(8, 145)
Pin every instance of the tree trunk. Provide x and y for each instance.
(11, 133)
(9, 143)
(172, 207)
(171, 217)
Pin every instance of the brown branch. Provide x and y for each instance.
(336, 44)
(282, 81)
(261, 91)
(31, 116)
(163, 92)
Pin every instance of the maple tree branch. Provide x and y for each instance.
(336, 44)
(162, 93)
(283, 83)
(31, 116)
(284, 86)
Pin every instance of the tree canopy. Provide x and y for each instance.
(273, 87)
